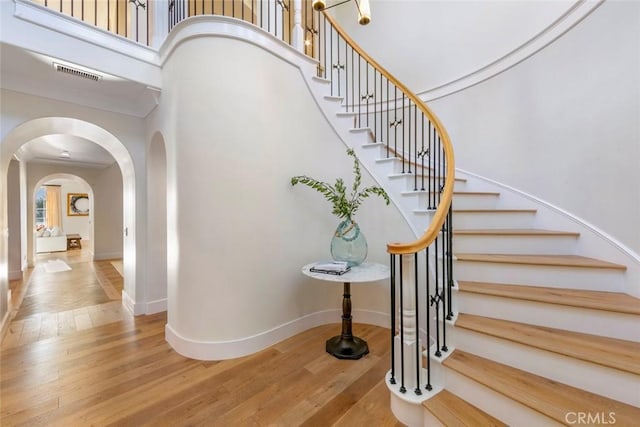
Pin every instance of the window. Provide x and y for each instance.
(41, 206)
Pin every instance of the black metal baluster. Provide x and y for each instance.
(353, 83)
(432, 168)
(437, 300)
(401, 314)
(388, 124)
(375, 106)
(403, 129)
(444, 302)
(359, 90)
(450, 259)
(417, 305)
(409, 132)
(441, 171)
(392, 380)
(428, 321)
(368, 67)
(422, 152)
(444, 289)
(395, 120)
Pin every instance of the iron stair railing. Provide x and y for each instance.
(421, 271)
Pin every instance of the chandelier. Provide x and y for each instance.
(364, 11)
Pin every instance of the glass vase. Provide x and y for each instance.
(348, 243)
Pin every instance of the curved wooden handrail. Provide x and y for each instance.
(447, 193)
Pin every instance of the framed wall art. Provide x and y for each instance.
(77, 204)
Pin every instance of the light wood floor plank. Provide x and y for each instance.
(92, 364)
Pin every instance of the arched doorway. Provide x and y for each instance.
(84, 226)
(42, 127)
(156, 225)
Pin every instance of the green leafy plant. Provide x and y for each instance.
(344, 206)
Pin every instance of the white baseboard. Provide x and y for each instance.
(133, 308)
(221, 350)
(156, 306)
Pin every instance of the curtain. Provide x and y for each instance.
(54, 208)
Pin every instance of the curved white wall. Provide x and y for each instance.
(427, 44)
(237, 127)
(563, 126)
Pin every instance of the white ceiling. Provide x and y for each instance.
(32, 73)
(48, 149)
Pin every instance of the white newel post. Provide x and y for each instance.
(408, 343)
(298, 31)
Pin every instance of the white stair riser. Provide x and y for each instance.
(398, 166)
(592, 279)
(385, 166)
(344, 122)
(481, 220)
(464, 220)
(595, 322)
(359, 138)
(475, 201)
(567, 370)
(557, 245)
(493, 403)
(375, 150)
(460, 201)
(409, 182)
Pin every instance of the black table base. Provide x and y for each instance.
(345, 345)
(344, 348)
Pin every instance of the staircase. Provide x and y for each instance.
(542, 335)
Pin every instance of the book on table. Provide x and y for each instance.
(331, 267)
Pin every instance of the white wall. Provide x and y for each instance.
(427, 44)
(157, 225)
(564, 125)
(238, 232)
(107, 204)
(73, 224)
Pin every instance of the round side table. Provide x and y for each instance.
(346, 345)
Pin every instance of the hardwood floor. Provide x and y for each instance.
(119, 370)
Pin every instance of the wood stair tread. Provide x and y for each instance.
(596, 300)
(546, 260)
(498, 211)
(451, 410)
(605, 351)
(543, 395)
(411, 174)
(455, 193)
(513, 232)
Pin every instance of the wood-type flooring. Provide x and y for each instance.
(73, 356)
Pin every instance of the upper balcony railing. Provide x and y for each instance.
(149, 21)
(127, 18)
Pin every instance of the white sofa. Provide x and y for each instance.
(51, 244)
(55, 243)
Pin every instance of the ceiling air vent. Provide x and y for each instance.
(77, 72)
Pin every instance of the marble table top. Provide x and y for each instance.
(365, 272)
